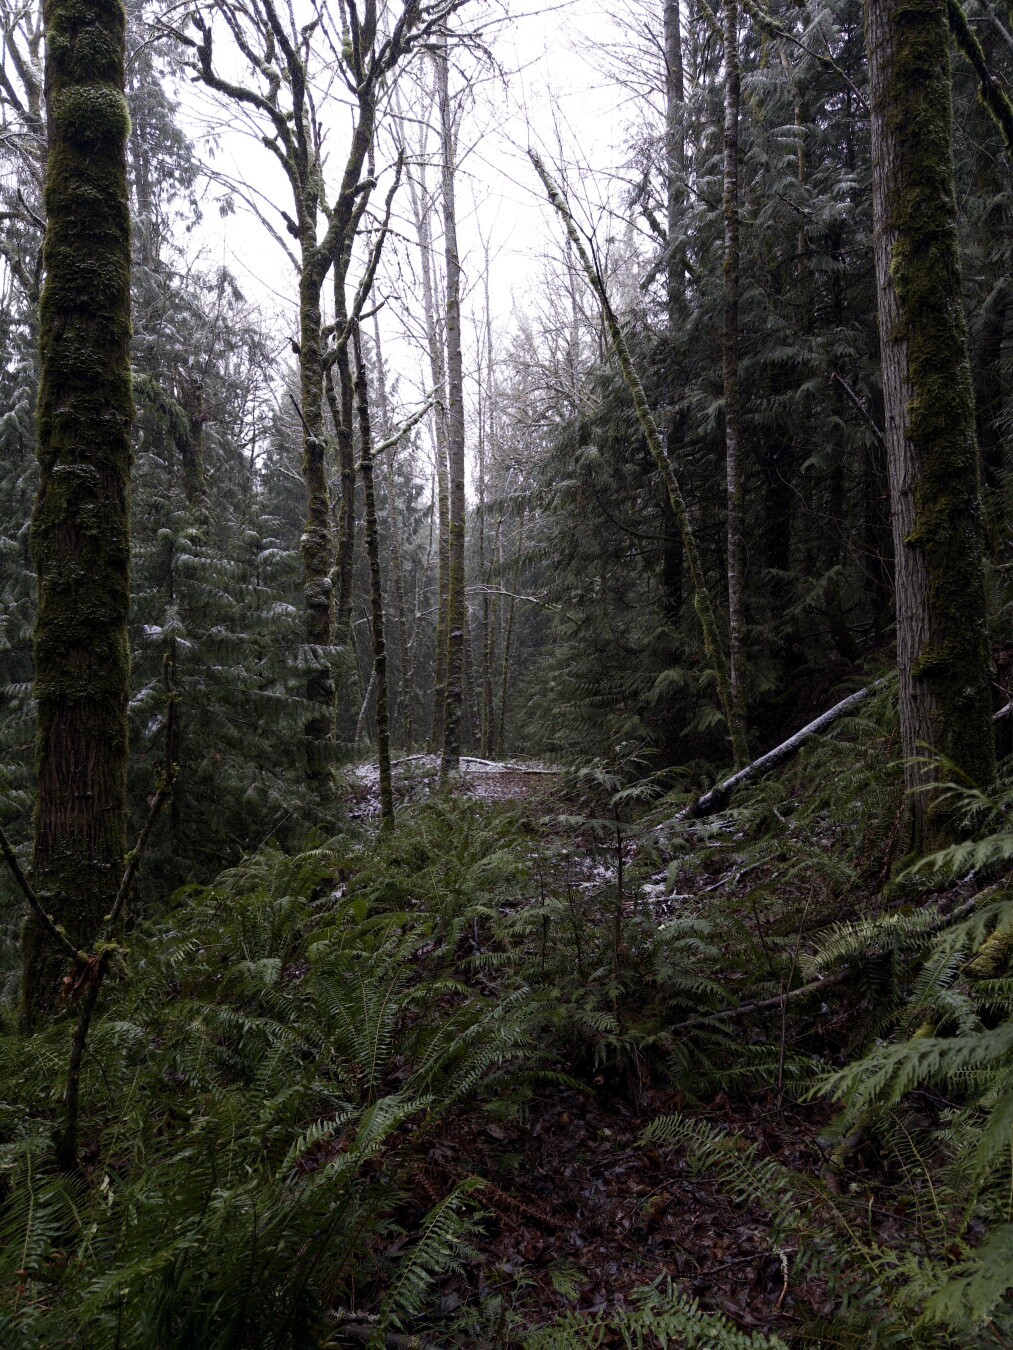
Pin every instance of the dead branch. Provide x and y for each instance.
(719, 795)
(48, 922)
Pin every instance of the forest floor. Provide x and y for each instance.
(417, 777)
(582, 1217)
(535, 1071)
(579, 1214)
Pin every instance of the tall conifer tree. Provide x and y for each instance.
(942, 645)
(80, 534)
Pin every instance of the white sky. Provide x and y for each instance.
(549, 83)
(553, 94)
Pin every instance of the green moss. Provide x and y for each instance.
(954, 661)
(80, 539)
(89, 115)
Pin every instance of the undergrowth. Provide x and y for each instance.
(279, 1051)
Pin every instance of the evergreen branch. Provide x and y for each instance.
(828, 63)
(702, 600)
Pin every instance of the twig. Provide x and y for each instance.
(764, 1004)
(362, 1332)
(838, 379)
(25, 886)
(299, 414)
(733, 878)
(826, 981)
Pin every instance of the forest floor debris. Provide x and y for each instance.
(581, 1215)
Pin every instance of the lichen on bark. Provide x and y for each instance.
(80, 538)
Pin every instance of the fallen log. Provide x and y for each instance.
(719, 795)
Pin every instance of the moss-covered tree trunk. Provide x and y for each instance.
(456, 601)
(341, 411)
(942, 649)
(80, 533)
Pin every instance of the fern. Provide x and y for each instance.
(664, 1317)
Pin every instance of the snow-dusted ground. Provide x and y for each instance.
(416, 775)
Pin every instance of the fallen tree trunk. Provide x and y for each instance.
(719, 795)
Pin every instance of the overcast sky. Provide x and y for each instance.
(552, 94)
(550, 84)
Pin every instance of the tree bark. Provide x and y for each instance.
(317, 541)
(406, 696)
(375, 584)
(736, 524)
(504, 686)
(486, 449)
(675, 199)
(80, 524)
(437, 368)
(451, 756)
(942, 647)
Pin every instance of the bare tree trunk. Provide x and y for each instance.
(437, 366)
(487, 446)
(375, 584)
(942, 645)
(730, 375)
(407, 694)
(442, 596)
(675, 197)
(360, 724)
(456, 602)
(507, 637)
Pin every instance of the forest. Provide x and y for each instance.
(506, 674)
